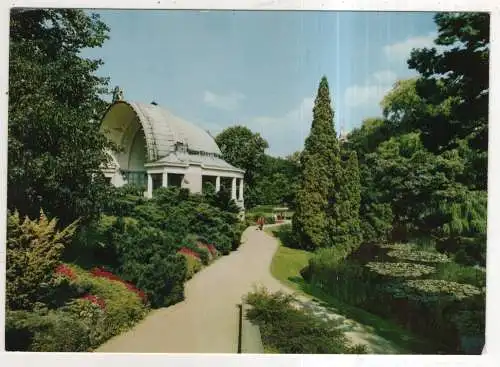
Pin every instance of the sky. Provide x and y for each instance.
(261, 69)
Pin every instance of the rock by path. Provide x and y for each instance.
(207, 320)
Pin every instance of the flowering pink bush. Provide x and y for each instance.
(101, 273)
(189, 252)
(95, 300)
(65, 271)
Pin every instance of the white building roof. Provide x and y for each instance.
(162, 131)
(206, 161)
(167, 129)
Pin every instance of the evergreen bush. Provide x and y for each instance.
(286, 329)
(34, 249)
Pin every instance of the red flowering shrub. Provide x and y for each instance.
(95, 300)
(65, 271)
(189, 252)
(101, 273)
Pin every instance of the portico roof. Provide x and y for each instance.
(186, 159)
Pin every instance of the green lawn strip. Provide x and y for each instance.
(286, 266)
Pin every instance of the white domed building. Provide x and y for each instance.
(158, 149)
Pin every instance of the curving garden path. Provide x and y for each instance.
(207, 320)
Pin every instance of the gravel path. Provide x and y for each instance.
(207, 320)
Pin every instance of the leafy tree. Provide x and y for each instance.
(402, 107)
(456, 80)
(367, 138)
(375, 214)
(243, 149)
(319, 164)
(346, 230)
(277, 181)
(55, 148)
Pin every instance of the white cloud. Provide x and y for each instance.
(228, 102)
(385, 76)
(400, 51)
(285, 134)
(365, 95)
(372, 92)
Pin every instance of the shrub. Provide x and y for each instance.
(270, 219)
(438, 309)
(34, 250)
(163, 279)
(419, 256)
(442, 308)
(193, 266)
(287, 329)
(204, 255)
(432, 290)
(101, 273)
(470, 321)
(329, 257)
(96, 243)
(400, 270)
(341, 279)
(51, 331)
(329, 271)
(454, 272)
(124, 306)
(188, 252)
(91, 310)
(105, 309)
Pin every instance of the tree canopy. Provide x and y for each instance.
(54, 106)
(319, 162)
(423, 166)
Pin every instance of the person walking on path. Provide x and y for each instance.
(260, 222)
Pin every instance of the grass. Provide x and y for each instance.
(286, 266)
(287, 263)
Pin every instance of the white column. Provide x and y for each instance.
(233, 189)
(241, 189)
(217, 184)
(150, 185)
(165, 179)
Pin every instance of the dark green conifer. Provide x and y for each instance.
(319, 162)
(344, 225)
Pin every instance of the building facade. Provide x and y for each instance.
(157, 149)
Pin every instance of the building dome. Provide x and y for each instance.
(156, 149)
(162, 130)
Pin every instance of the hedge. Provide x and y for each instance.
(101, 308)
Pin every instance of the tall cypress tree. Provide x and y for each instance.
(319, 162)
(344, 225)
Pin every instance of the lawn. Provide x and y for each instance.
(287, 263)
(286, 266)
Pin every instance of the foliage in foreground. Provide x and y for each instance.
(424, 164)
(57, 307)
(92, 310)
(143, 246)
(423, 291)
(287, 329)
(34, 249)
(55, 148)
